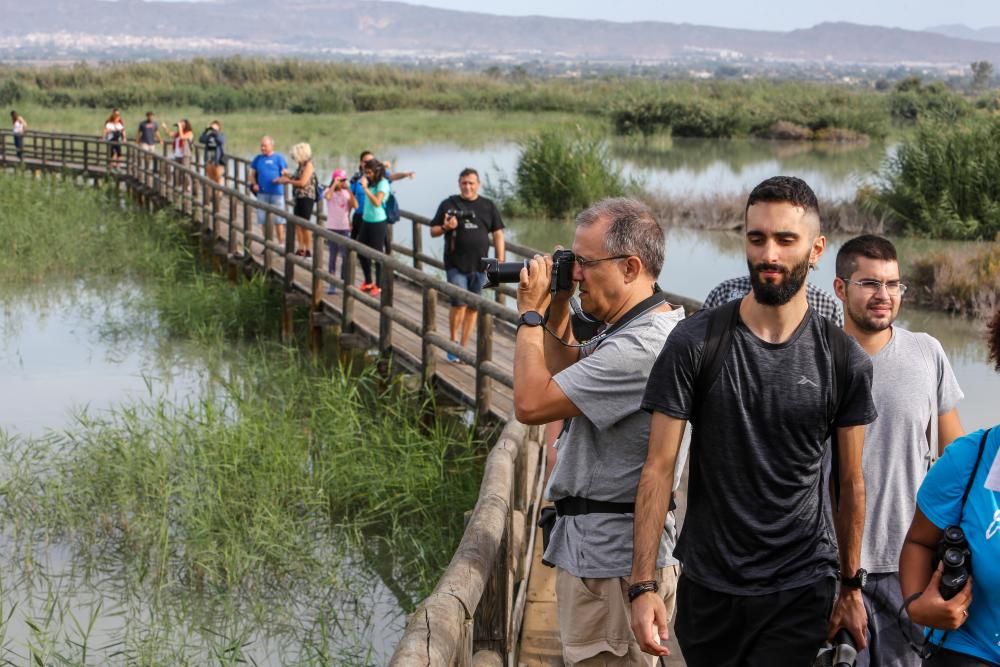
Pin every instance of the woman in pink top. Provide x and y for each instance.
(340, 201)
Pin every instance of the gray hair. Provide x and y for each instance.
(634, 230)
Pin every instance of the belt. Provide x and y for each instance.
(575, 505)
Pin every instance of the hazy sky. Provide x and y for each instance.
(757, 15)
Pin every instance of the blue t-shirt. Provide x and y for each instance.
(373, 213)
(940, 499)
(268, 168)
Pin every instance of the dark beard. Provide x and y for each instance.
(778, 294)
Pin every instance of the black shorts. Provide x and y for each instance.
(786, 628)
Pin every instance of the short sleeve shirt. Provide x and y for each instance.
(819, 299)
(373, 213)
(602, 454)
(755, 520)
(337, 210)
(913, 384)
(268, 168)
(940, 499)
(465, 245)
(147, 132)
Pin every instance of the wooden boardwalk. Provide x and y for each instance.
(496, 601)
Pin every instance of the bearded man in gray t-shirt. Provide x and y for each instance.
(619, 248)
(915, 393)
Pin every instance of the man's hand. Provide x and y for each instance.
(450, 222)
(849, 613)
(533, 288)
(932, 610)
(649, 623)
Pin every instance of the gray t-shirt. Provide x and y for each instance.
(602, 454)
(755, 520)
(913, 384)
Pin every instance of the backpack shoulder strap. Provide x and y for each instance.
(840, 349)
(722, 322)
(972, 475)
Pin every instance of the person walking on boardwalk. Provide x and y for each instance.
(148, 135)
(916, 394)
(468, 223)
(20, 126)
(618, 253)
(304, 185)
(359, 194)
(375, 189)
(339, 203)
(262, 179)
(214, 142)
(113, 134)
(182, 138)
(765, 381)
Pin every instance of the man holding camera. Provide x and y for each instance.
(765, 380)
(468, 223)
(617, 255)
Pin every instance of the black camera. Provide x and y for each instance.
(460, 214)
(562, 271)
(841, 653)
(510, 272)
(953, 551)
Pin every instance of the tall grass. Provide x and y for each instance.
(944, 181)
(245, 522)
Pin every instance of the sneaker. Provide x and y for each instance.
(374, 291)
(331, 290)
(454, 358)
(308, 253)
(366, 287)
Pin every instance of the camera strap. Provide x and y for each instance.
(657, 299)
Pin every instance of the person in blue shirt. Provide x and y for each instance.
(964, 630)
(265, 170)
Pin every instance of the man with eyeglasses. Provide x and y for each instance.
(916, 394)
(619, 248)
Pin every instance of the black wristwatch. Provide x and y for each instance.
(857, 581)
(531, 318)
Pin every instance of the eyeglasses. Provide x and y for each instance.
(587, 263)
(873, 287)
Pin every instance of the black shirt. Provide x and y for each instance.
(147, 132)
(470, 241)
(755, 522)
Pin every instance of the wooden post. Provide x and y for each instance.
(290, 228)
(86, 157)
(231, 222)
(484, 353)
(428, 356)
(492, 616)
(347, 306)
(268, 235)
(248, 216)
(317, 289)
(418, 246)
(287, 318)
(384, 321)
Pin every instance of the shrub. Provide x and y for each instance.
(944, 181)
(560, 173)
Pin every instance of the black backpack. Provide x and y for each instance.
(722, 321)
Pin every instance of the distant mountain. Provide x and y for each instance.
(382, 29)
(988, 34)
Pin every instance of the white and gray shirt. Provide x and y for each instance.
(913, 384)
(602, 454)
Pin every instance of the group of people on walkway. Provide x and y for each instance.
(830, 485)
